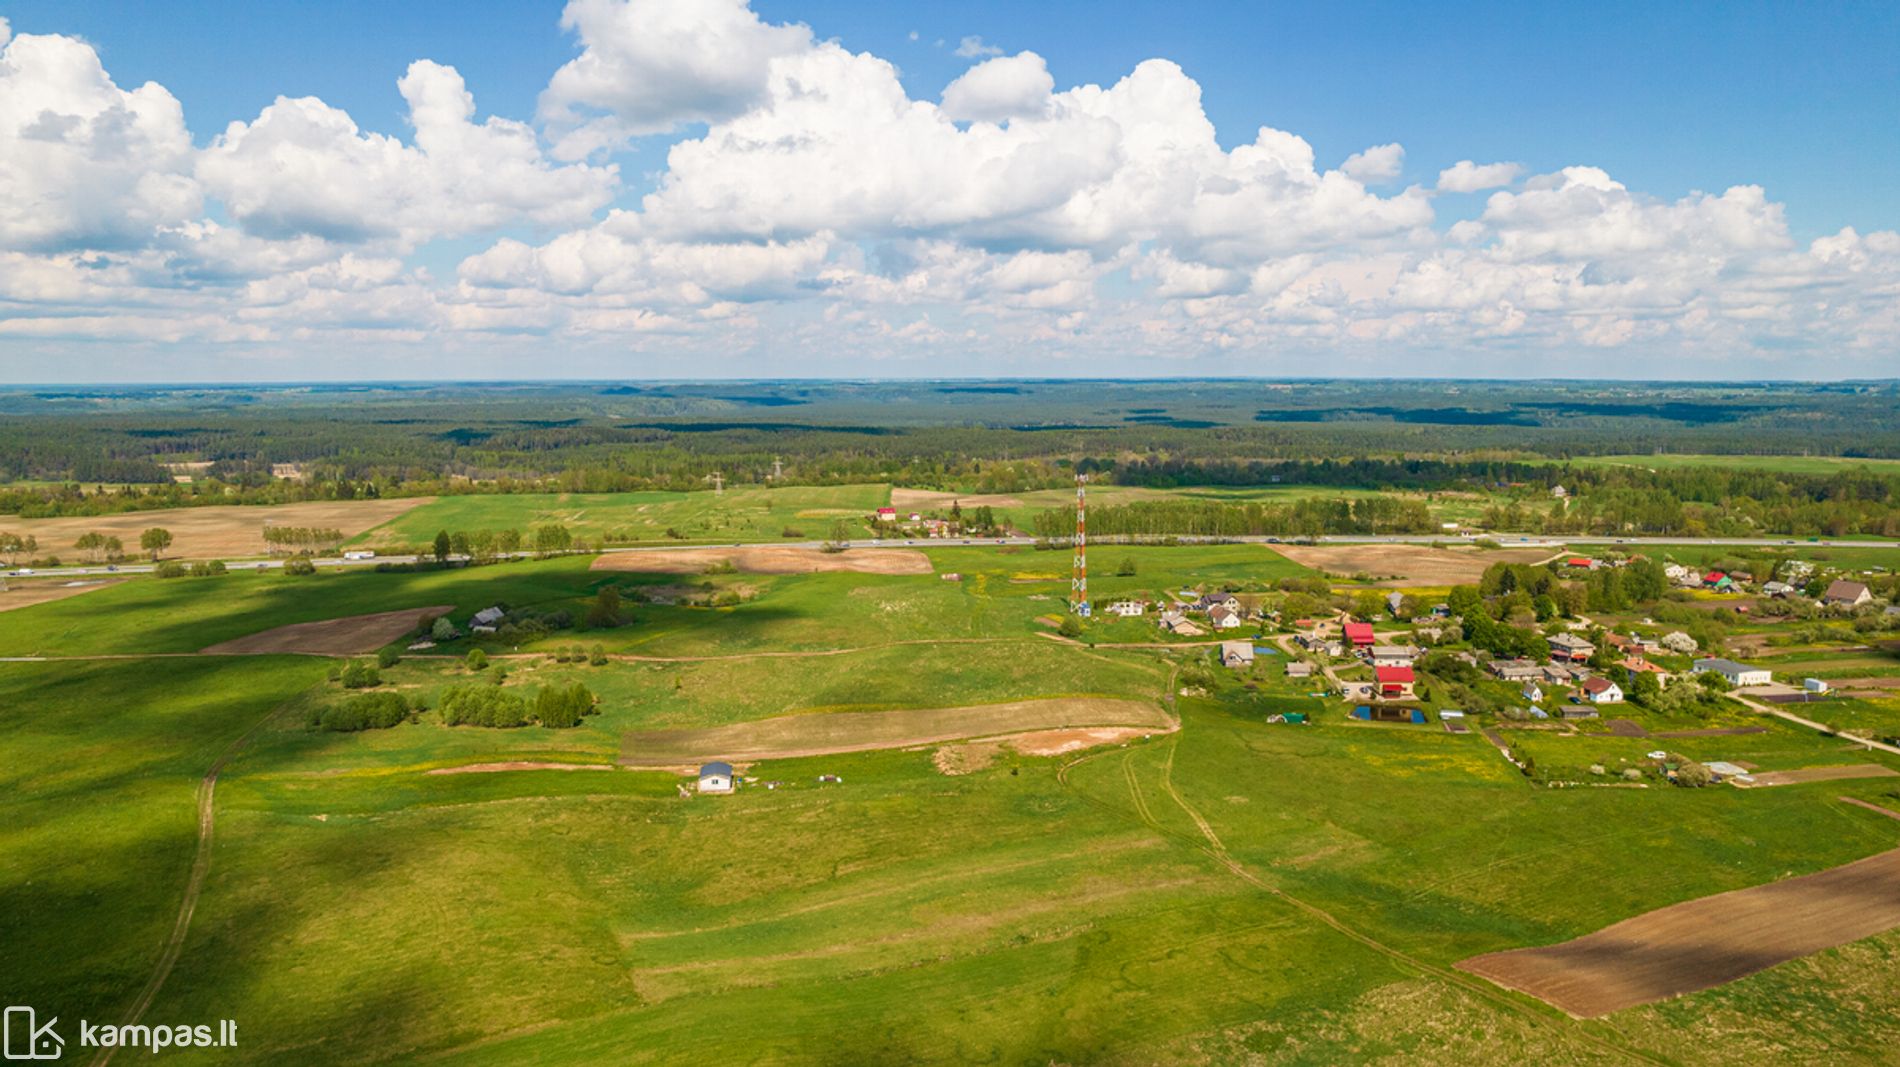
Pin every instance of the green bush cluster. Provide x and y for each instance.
(371, 711)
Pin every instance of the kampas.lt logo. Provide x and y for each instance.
(27, 1039)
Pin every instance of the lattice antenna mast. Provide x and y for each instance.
(1079, 581)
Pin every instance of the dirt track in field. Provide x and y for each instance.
(519, 765)
(1408, 565)
(766, 559)
(857, 731)
(348, 636)
(212, 532)
(20, 595)
(1700, 944)
(1825, 774)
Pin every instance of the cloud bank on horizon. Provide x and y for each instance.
(820, 219)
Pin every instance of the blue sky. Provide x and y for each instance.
(1664, 100)
(1802, 98)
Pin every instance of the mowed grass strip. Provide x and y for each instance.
(796, 735)
(1700, 944)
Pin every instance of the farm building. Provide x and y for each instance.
(715, 778)
(1531, 692)
(1602, 691)
(1842, 593)
(1236, 653)
(1578, 712)
(1359, 634)
(1570, 647)
(1126, 608)
(1814, 685)
(487, 617)
(1395, 683)
(1176, 623)
(1299, 668)
(1515, 670)
(1736, 673)
(1393, 655)
(1392, 603)
(1777, 589)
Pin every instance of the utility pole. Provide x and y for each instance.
(1079, 581)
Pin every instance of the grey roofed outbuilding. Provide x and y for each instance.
(710, 769)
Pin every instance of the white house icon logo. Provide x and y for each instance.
(26, 1039)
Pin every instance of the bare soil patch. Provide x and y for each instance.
(954, 760)
(1725, 731)
(766, 559)
(1626, 728)
(1700, 944)
(348, 636)
(1059, 742)
(214, 532)
(856, 731)
(1825, 774)
(1408, 565)
(917, 499)
(17, 595)
(520, 765)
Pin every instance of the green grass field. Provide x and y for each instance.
(1234, 891)
(744, 513)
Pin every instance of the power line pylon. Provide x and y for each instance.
(1079, 580)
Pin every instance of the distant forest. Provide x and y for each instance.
(65, 451)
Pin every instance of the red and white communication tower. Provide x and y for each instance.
(1079, 581)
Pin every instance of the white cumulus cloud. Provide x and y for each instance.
(1465, 176)
(647, 66)
(1007, 87)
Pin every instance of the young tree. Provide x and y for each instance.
(155, 540)
(1367, 604)
(90, 543)
(442, 546)
(1071, 626)
(477, 659)
(442, 630)
(604, 613)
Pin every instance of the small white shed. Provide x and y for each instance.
(715, 778)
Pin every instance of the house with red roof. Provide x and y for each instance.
(1395, 683)
(1602, 691)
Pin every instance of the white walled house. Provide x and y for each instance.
(715, 778)
(1602, 691)
(1737, 674)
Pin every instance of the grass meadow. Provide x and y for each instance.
(1234, 891)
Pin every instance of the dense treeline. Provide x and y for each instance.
(79, 453)
(1303, 518)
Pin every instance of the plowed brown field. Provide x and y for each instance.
(348, 636)
(1408, 565)
(1703, 943)
(856, 731)
(212, 532)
